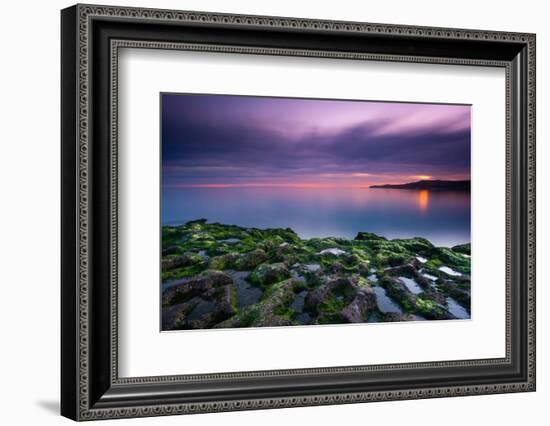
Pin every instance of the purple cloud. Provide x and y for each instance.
(218, 139)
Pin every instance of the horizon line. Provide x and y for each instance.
(311, 185)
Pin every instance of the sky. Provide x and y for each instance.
(233, 141)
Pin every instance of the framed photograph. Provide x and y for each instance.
(263, 212)
(296, 256)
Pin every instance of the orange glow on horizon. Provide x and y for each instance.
(312, 185)
(333, 183)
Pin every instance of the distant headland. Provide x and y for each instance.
(432, 185)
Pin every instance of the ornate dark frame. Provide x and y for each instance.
(91, 37)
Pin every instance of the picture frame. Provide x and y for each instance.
(91, 388)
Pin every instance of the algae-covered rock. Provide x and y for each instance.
(198, 286)
(204, 312)
(368, 236)
(453, 260)
(174, 261)
(199, 304)
(361, 306)
(212, 311)
(170, 250)
(223, 262)
(431, 310)
(334, 280)
(416, 245)
(272, 311)
(458, 290)
(284, 248)
(249, 261)
(175, 314)
(398, 291)
(269, 273)
(332, 296)
(407, 270)
(462, 248)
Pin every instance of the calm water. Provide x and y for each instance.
(441, 217)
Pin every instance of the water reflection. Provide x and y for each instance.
(443, 217)
(457, 310)
(423, 199)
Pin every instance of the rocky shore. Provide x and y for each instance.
(431, 185)
(226, 276)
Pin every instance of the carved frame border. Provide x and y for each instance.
(87, 12)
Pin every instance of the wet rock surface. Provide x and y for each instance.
(225, 276)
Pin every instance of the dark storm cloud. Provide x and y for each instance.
(221, 139)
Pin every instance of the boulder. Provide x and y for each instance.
(170, 250)
(174, 314)
(335, 268)
(342, 289)
(368, 236)
(399, 292)
(269, 312)
(290, 254)
(411, 270)
(284, 249)
(201, 312)
(360, 307)
(460, 292)
(434, 295)
(201, 285)
(174, 261)
(416, 245)
(364, 269)
(463, 248)
(432, 310)
(407, 270)
(250, 260)
(454, 260)
(270, 273)
(207, 313)
(352, 260)
(391, 258)
(226, 261)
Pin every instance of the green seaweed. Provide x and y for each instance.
(272, 256)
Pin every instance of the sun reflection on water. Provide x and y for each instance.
(423, 200)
